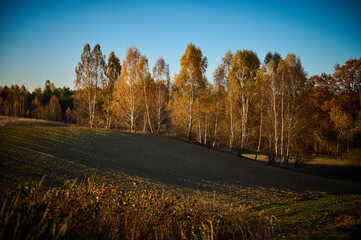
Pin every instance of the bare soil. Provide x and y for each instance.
(175, 162)
(158, 158)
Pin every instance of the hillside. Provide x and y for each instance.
(301, 204)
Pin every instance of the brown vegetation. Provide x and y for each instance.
(88, 210)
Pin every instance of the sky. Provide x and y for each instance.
(42, 40)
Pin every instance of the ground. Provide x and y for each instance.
(62, 152)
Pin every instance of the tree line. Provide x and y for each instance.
(264, 106)
(49, 103)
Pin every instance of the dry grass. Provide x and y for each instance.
(353, 159)
(88, 210)
(14, 121)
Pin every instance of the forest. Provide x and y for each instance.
(269, 106)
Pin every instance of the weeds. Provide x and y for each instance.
(89, 211)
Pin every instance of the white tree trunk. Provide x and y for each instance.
(275, 117)
(190, 123)
(206, 131)
(216, 124)
(159, 110)
(259, 133)
(231, 134)
(147, 106)
(282, 119)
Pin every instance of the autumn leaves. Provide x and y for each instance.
(235, 109)
(140, 99)
(126, 96)
(263, 107)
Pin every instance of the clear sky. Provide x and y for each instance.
(42, 40)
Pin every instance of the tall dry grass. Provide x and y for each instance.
(90, 211)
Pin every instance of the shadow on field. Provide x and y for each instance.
(342, 172)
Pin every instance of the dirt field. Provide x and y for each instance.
(160, 159)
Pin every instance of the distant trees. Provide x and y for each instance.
(47, 103)
(14, 101)
(53, 110)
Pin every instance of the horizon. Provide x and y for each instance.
(42, 40)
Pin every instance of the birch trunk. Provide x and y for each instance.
(275, 117)
(205, 131)
(199, 123)
(147, 106)
(216, 124)
(190, 124)
(231, 136)
(132, 110)
(259, 133)
(159, 110)
(90, 108)
(199, 131)
(282, 120)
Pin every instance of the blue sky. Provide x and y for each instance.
(42, 40)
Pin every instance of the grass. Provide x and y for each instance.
(334, 161)
(88, 210)
(316, 160)
(342, 168)
(58, 208)
(325, 217)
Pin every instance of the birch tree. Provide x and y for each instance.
(126, 89)
(294, 82)
(187, 84)
(260, 101)
(221, 78)
(144, 79)
(89, 73)
(282, 70)
(272, 60)
(162, 82)
(113, 69)
(244, 68)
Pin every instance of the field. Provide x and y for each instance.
(300, 205)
